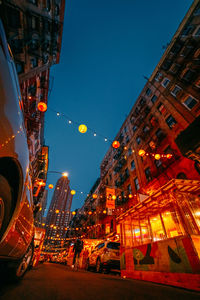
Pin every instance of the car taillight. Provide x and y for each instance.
(105, 250)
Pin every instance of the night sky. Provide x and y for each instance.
(107, 48)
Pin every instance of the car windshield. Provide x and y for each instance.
(113, 245)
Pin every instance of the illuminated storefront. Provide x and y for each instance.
(160, 237)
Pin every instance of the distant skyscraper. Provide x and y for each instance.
(58, 216)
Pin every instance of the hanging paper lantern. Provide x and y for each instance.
(116, 144)
(114, 197)
(73, 213)
(57, 211)
(42, 106)
(130, 196)
(104, 211)
(89, 213)
(169, 156)
(94, 196)
(50, 186)
(157, 156)
(82, 128)
(141, 152)
(73, 192)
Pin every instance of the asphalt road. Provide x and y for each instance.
(57, 282)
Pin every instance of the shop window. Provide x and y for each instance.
(128, 234)
(136, 183)
(157, 228)
(136, 234)
(165, 82)
(176, 90)
(190, 102)
(154, 98)
(148, 174)
(145, 231)
(132, 165)
(148, 92)
(172, 223)
(161, 108)
(171, 122)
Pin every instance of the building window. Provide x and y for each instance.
(153, 121)
(137, 186)
(154, 98)
(129, 189)
(16, 46)
(162, 109)
(127, 139)
(158, 76)
(146, 129)
(14, 18)
(190, 102)
(34, 62)
(176, 90)
(110, 176)
(148, 174)
(165, 82)
(197, 11)
(187, 30)
(138, 140)
(175, 68)
(134, 128)
(19, 67)
(129, 151)
(170, 122)
(126, 172)
(148, 92)
(142, 102)
(125, 129)
(132, 165)
(188, 75)
(158, 163)
(160, 134)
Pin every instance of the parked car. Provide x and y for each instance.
(16, 205)
(105, 256)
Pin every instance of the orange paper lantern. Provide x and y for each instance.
(169, 156)
(42, 106)
(50, 186)
(94, 196)
(116, 144)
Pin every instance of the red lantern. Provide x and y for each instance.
(169, 156)
(42, 106)
(116, 144)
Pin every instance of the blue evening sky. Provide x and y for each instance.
(107, 47)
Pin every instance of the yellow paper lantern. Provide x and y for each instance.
(114, 197)
(57, 211)
(157, 156)
(94, 196)
(82, 128)
(73, 192)
(141, 152)
(73, 213)
(50, 186)
(104, 211)
(89, 213)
